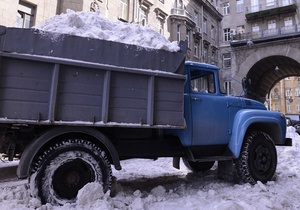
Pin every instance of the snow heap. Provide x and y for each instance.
(90, 24)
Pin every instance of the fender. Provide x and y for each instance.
(271, 122)
(32, 149)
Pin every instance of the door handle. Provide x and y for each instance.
(196, 99)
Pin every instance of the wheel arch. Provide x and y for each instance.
(246, 121)
(53, 134)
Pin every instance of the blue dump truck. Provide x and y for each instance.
(72, 107)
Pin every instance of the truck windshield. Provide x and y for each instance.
(202, 81)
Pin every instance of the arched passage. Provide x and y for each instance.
(265, 73)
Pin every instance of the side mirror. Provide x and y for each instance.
(246, 83)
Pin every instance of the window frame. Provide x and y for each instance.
(226, 60)
(226, 8)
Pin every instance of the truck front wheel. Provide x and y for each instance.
(64, 168)
(258, 158)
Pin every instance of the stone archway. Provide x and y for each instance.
(258, 64)
(267, 72)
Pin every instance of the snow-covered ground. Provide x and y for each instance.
(149, 184)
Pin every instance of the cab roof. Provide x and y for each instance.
(202, 65)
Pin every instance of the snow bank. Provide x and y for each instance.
(90, 24)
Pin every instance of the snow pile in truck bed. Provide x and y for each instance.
(90, 24)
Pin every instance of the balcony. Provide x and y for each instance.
(182, 13)
(275, 7)
(265, 35)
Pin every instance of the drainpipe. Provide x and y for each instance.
(133, 11)
(202, 47)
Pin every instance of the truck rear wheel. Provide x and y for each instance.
(63, 169)
(258, 158)
(198, 166)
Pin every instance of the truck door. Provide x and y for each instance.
(209, 110)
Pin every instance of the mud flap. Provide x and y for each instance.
(226, 170)
(176, 162)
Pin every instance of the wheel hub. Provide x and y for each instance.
(262, 159)
(72, 178)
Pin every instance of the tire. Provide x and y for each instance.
(63, 169)
(198, 166)
(258, 158)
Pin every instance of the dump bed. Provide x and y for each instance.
(47, 78)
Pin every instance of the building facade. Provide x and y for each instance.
(267, 31)
(285, 96)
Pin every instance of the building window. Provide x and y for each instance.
(277, 107)
(178, 4)
(254, 6)
(160, 25)
(298, 107)
(212, 59)
(288, 21)
(124, 10)
(196, 18)
(161, 19)
(178, 33)
(255, 27)
(226, 60)
(95, 6)
(226, 8)
(297, 92)
(227, 34)
(196, 49)
(227, 86)
(271, 24)
(289, 108)
(204, 26)
(270, 3)
(187, 37)
(255, 30)
(286, 2)
(240, 30)
(144, 10)
(239, 6)
(212, 32)
(143, 17)
(276, 93)
(25, 15)
(205, 54)
(288, 93)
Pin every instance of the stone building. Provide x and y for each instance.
(197, 21)
(260, 43)
(285, 96)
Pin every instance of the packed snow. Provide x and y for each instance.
(92, 25)
(156, 185)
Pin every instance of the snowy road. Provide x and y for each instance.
(156, 185)
(8, 173)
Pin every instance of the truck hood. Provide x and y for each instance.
(249, 103)
(245, 103)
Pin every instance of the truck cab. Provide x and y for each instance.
(223, 127)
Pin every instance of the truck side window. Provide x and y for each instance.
(202, 81)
